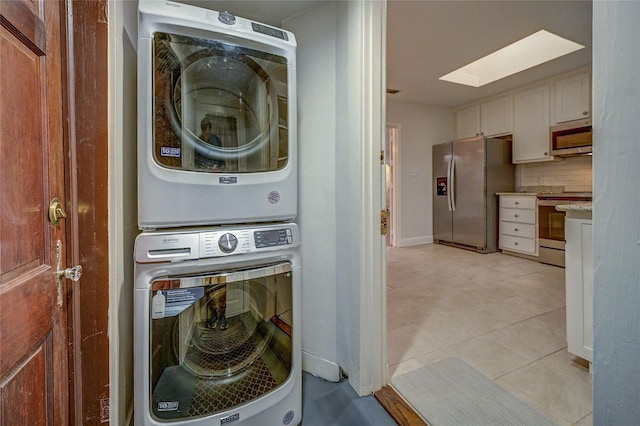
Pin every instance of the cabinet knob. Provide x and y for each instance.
(585, 112)
(546, 153)
(516, 229)
(517, 203)
(515, 243)
(515, 215)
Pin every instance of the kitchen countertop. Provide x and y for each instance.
(577, 210)
(585, 207)
(528, 194)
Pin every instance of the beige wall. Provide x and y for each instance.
(575, 174)
(421, 126)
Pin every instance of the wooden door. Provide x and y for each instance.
(33, 336)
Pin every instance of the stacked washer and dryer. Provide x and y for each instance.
(217, 266)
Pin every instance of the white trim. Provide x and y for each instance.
(367, 19)
(415, 241)
(116, 397)
(320, 367)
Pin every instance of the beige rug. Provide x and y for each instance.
(452, 393)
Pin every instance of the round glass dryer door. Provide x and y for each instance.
(218, 107)
(219, 340)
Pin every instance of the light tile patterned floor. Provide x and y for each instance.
(503, 315)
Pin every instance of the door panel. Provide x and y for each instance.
(469, 218)
(33, 343)
(23, 389)
(442, 216)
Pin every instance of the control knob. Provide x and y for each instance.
(226, 18)
(228, 242)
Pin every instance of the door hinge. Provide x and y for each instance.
(384, 218)
(382, 158)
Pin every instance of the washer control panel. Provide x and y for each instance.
(214, 242)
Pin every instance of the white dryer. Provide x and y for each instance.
(191, 367)
(216, 118)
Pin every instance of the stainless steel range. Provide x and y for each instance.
(551, 240)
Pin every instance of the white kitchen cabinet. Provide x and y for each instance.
(572, 98)
(491, 118)
(579, 286)
(531, 118)
(468, 122)
(518, 223)
(495, 117)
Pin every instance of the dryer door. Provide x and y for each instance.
(218, 107)
(207, 354)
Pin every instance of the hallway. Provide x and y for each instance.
(503, 315)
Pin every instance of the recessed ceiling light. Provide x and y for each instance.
(533, 50)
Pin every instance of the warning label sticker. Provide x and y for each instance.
(175, 301)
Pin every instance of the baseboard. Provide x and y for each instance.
(320, 367)
(415, 241)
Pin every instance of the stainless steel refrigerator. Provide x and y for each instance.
(467, 174)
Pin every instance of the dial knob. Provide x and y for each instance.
(228, 243)
(226, 18)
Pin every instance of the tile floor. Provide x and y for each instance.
(501, 314)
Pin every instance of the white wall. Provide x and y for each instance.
(616, 91)
(316, 63)
(421, 127)
(340, 130)
(123, 220)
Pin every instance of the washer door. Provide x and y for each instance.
(219, 340)
(218, 107)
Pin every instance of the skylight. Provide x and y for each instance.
(533, 50)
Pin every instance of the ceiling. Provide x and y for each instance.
(428, 39)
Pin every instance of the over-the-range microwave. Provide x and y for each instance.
(572, 138)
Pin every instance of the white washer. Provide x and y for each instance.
(216, 118)
(188, 373)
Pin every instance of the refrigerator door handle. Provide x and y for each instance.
(449, 184)
(452, 185)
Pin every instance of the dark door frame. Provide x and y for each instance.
(87, 145)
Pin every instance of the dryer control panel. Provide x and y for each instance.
(273, 237)
(205, 243)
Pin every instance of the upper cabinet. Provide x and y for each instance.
(572, 98)
(491, 118)
(495, 117)
(528, 112)
(468, 122)
(531, 125)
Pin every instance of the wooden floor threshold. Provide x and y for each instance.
(401, 412)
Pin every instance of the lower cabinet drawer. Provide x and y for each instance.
(520, 244)
(517, 215)
(518, 229)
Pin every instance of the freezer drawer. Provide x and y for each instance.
(521, 216)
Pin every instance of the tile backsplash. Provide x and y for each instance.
(575, 174)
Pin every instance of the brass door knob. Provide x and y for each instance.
(56, 212)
